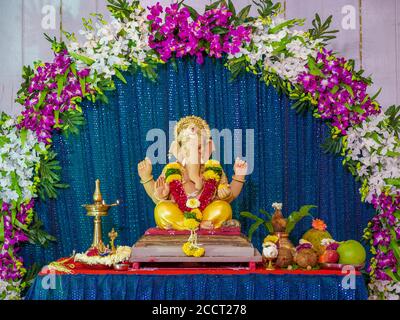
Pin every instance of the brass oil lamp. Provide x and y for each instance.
(97, 210)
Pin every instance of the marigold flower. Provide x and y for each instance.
(187, 249)
(199, 252)
(271, 238)
(319, 224)
(198, 213)
(212, 163)
(191, 224)
(173, 177)
(211, 175)
(173, 165)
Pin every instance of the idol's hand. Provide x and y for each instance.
(144, 169)
(162, 188)
(224, 192)
(240, 168)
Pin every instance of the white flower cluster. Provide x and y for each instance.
(9, 290)
(284, 52)
(384, 290)
(18, 158)
(114, 44)
(376, 148)
(277, 206)
(123, 253)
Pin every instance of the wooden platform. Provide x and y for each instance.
(221, 250)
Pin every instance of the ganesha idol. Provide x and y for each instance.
(194, 183)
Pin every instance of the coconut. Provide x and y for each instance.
(306, 258)
(285, 257)
(314, 236)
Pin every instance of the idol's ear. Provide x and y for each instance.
(210, 148)
(173, 149)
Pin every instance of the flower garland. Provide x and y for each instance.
(212, 175)
(121, 255)
(54, 88)
(20, 155)
(294, 62)
(193, 207)
(338, 93)
(182, 34)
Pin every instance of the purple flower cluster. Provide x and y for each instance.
(210, 33)
(303, 246)
(340, 98)
(380, 227)
(9, 261)
(38, 115)
(332, 246)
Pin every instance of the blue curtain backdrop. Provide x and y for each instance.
(290, 166)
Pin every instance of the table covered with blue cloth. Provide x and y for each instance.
(195, 287)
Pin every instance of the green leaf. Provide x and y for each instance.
(193, 13)
(296, 216)
(219, 30)
(321, 30)
(15, 183)
(265, 213)
(244, 13)
(254, 227)
(231, 8)
(85, 60)
(269, 226)
(2, 228)
(23, 135)
(335, 89)
(314, 69)
(376, 94)
(266, 8)
(390, 273)
(213, 5)
(119, 75)
(37, 235)
(249, 215)
(49, 175)
(393, 181)
(43, 95)
(71, 121)
(282, 25)
(395, 246)
(82, 82)
(30, 276)
(333, 146)
(358, 109)
(349, 89)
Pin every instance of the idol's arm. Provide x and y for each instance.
(238, 180)
(146, 178)
(237, 185)
(149, 187)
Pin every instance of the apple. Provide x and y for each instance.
(329, 256)
(351, 252)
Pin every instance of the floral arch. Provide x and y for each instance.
(295, 62)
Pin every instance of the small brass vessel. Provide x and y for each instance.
(97, 210)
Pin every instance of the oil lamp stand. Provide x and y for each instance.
(98, 210)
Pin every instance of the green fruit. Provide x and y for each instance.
(351, 252)
(315, 236)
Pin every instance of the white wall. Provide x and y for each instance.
(23, 22)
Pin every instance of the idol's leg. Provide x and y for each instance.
(169, 216)
(218, 212)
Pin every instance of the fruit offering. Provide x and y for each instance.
(316, 235)
(351, 252)
(330, 255)
(305, 256)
